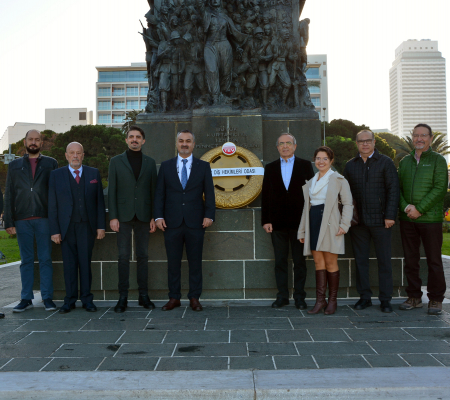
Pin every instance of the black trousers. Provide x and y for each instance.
(76, 251)
(175, 239)
(141, 236)
(280, 241)
(431, 237)
(361, 236)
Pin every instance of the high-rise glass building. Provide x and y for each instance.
(418, 87)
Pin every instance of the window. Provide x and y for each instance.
(118, 91)
(104, 105)
(118, 118)
(104, 91)
(314, 89)
(316, 101)
(313, 73)
(143, 104)
(122, 76)
(132, 91)
(82, 116)
(104, 119)
(132, 104)
(325, 74)
(324, 63)
(144, 90)
(118, 105)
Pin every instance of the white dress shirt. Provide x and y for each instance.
(180, 165)
(286, 170)
(72, 171)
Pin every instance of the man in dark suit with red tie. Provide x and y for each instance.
(76, 217)
(281, 211)
(183, 216)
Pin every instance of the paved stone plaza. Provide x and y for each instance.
(220, 338)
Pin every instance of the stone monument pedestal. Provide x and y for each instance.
(238, 259)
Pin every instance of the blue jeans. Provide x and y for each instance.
(27, 231)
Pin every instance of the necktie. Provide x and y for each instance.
(77, 178)
(184, 174)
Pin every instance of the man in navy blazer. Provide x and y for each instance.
(76, 208)
(182, 215)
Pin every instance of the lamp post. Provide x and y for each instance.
(323, 119)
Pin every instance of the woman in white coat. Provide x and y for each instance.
(322, 226)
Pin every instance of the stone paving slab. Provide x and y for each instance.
(223, 337)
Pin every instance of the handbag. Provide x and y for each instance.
(355, 216)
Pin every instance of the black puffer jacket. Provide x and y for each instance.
(375, 188)
(26, 197)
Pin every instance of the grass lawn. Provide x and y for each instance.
(9, 247)
(446, 244)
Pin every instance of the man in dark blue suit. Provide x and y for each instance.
(76, 209)
(183, 216)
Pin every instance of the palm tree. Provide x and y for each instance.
(130, 119)
(439, 144)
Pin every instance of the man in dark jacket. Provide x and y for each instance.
(374, 184)
(26, 214)
(131, 191)
(281, 211)
(423, 185)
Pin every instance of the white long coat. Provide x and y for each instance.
(331, 219)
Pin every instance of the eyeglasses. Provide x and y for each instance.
(368, 141)
(421, 135)
(318, 159)
(288, 144)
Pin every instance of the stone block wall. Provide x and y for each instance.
(238, 264)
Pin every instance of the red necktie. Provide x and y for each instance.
(77, 178)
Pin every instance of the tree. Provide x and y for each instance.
(383, 147)
(396, 142)
(130, 119)
(344, 149)
(342, 127)
(100, 144)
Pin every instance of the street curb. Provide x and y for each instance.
(394, 383)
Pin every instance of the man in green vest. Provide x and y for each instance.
(131, 189)
(423, 185)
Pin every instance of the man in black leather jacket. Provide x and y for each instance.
(26, 214)
(375, 189)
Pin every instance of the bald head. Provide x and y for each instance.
(75, 154)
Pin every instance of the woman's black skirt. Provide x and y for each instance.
(315, 221)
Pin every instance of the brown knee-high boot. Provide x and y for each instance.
(321, 291)
(333, 286)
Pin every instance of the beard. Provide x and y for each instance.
(33, 151)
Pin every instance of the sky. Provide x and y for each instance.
(49, 50)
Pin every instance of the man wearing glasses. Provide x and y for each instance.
(281, 210)
(423, 185)
(374, 184)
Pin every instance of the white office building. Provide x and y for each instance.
(58, 120)
(418, 87)
(318, 83)
(122, 89)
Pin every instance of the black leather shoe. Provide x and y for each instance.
(145, 302)
(279, 302)
(301, 304)
(121, 305)
(66, 308)
(362, 304)
(90, 307)
(386, 306)
(2, 315)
